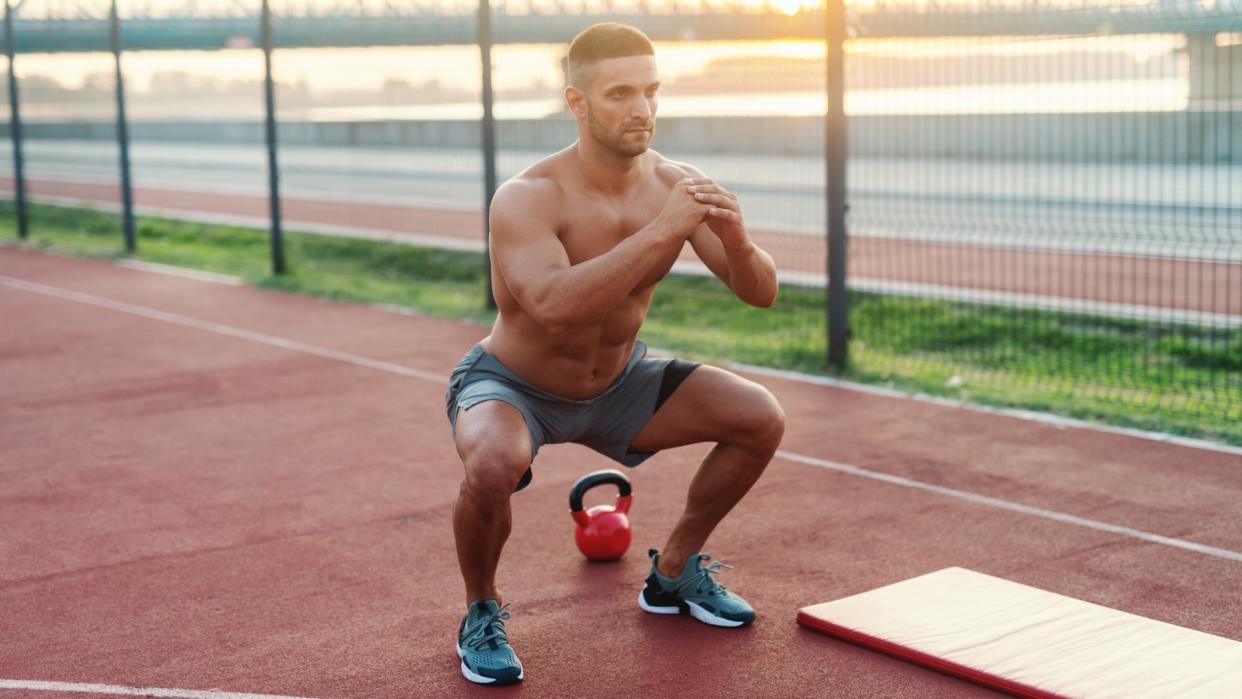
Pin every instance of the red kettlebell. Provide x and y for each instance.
(603, 532)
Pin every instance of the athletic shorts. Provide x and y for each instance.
(606, 423)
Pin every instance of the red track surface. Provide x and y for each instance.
(1188, 285)
(185, 508)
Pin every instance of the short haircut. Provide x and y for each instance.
(602, 41)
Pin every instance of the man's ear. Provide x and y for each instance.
(576, 101)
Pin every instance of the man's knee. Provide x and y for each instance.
(760, 421)
(493, 471)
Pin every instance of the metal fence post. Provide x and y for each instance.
(489, 141)
(835, 153)
(122, 134)
(15, 128)
(269, 93)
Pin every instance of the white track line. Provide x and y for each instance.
(183, 272)
(359, 360)
(283, 343)
(114, 689)
(1013, 506)
(1058, 421)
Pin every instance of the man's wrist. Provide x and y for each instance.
(659, 235)
(745, 249)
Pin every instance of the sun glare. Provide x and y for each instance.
(788, 7)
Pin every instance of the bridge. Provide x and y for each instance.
(78, 26)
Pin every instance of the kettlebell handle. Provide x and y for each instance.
(597, 478)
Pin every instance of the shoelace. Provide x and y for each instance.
(478, 633)
(703, 582)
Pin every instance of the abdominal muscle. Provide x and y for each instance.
(577, 364)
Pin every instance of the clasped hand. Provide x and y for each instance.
(696, 200)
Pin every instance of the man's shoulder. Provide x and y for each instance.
(530, 200)
(534, 187)
(670, 170)
(542, 179)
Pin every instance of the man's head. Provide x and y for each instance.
(612, 87)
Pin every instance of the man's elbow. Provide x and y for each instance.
(557, 313)
(544, 308)
(553, 317)
(765, 301)
(763, 297)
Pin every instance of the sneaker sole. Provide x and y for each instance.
(694, 610)
(480, 679)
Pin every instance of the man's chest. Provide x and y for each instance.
(591, 229)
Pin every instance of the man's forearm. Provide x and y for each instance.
(588, 291)
(752, 275)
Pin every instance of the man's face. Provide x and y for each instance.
(620, 102)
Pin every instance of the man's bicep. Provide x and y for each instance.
(525, 246)
(529, 260)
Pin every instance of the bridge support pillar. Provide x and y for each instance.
(1215, 71)
(1214, 111)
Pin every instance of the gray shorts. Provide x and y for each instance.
(606, 423)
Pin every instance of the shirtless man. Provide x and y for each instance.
(579, 241)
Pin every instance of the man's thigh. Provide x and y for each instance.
(493, 432)
(711, 405)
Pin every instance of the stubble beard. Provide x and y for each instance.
(619, 143)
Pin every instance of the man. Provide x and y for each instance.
(579, 241)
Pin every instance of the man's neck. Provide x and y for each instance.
(605, 171)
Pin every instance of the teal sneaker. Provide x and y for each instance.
(483, 646)
(696, 592)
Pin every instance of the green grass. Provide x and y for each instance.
(1183, 380)
(1179, 379)
(448, 284)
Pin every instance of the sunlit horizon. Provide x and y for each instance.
(321, 73)
(524, 64)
